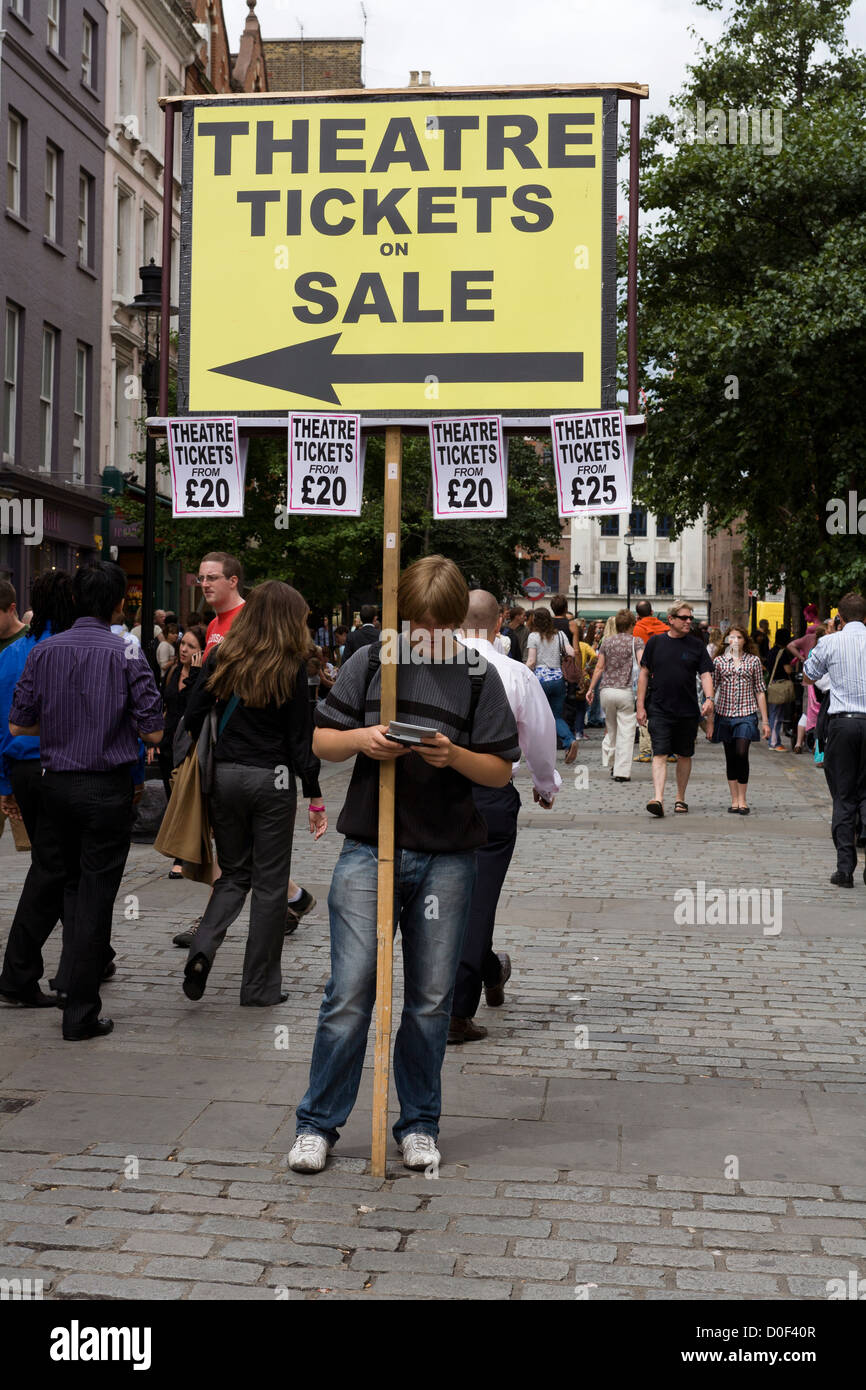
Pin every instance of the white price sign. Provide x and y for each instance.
(592, 465)
(469, 473)
(326, 463)
(207, 467)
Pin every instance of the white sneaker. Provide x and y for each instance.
(309, 1153)
(420, 1151)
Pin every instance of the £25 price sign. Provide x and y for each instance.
(206, 467)
(592, 470)
(326, 463)
(468, 458)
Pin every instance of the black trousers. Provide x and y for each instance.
(40, 906)
(845, 770)
(88, 817)
(479, 965)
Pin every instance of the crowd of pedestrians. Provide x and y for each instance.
(241, 710)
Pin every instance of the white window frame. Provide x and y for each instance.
(88, 33)
(54, 25)
(14, 164)
(79, 415)
(52, 185)
(124, 235)
(127, 58)
(149, 235)
(47, 394)
(11, 350)
(85, 188)
(122, 433)
(151, 99)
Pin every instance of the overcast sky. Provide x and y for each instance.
(484, 42)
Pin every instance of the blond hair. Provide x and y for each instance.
(260, 656)
(433, 588)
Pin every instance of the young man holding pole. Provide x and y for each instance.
(437, 830)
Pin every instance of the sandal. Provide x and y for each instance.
(733, 810)
(655, 808)
(176, 871)
(681, 808)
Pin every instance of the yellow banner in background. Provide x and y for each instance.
(424, 255)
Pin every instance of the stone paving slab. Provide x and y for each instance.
(661, 1111)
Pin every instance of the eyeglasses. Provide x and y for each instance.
(684, 617)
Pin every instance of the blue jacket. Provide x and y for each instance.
(12, 663)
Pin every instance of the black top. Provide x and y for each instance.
(562, 625)
(273, 736)
(363, 636)
(434, 809)
(673, 664)
(517, 637)
(175, 701)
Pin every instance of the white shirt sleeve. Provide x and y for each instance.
(536, 730)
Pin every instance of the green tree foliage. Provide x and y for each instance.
(330, 558)
(752, 295)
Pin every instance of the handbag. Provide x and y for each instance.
(185, 831)
(207, 741)
(779, 692)
(572, 666)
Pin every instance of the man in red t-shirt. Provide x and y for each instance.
(220, 577)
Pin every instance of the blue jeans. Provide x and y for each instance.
(776, 713)
(433, 894)
(555, 692)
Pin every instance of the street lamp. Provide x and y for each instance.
(628, 540)
(148, 304)
(575, 574)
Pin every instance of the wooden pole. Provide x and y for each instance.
(387, 776)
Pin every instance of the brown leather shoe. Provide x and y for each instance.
(465, 1030)
(495, 994)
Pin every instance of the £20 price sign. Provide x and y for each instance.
(592, 469)
(468, 459)
(207, 473)
(326, 463)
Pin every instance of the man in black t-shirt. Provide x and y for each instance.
(437, 830)
(666, 701)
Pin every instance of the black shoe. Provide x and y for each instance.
(843, 880)
(494, 995)
(260, 1003)
(195, 973)
(463, 1030)
(296, 910)
(622, 779)
(185, 938)
(100, 1029)
(39, 1000)
(109, 972)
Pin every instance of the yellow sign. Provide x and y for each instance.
(420, 255)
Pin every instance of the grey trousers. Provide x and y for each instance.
(252, 821)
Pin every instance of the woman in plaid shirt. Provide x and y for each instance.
(738, 681)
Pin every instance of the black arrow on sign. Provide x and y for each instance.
(310, 369)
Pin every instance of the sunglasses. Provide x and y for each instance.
(684, 617)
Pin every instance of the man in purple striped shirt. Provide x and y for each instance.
(89, 696)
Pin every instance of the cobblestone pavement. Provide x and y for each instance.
(663, 1109)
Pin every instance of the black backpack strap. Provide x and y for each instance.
(476, 680)
(374, 661)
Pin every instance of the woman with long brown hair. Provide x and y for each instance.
(256, 680)
(738, 681)
(545, 648)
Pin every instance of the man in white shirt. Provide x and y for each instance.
(842, 657)
(480, 965)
